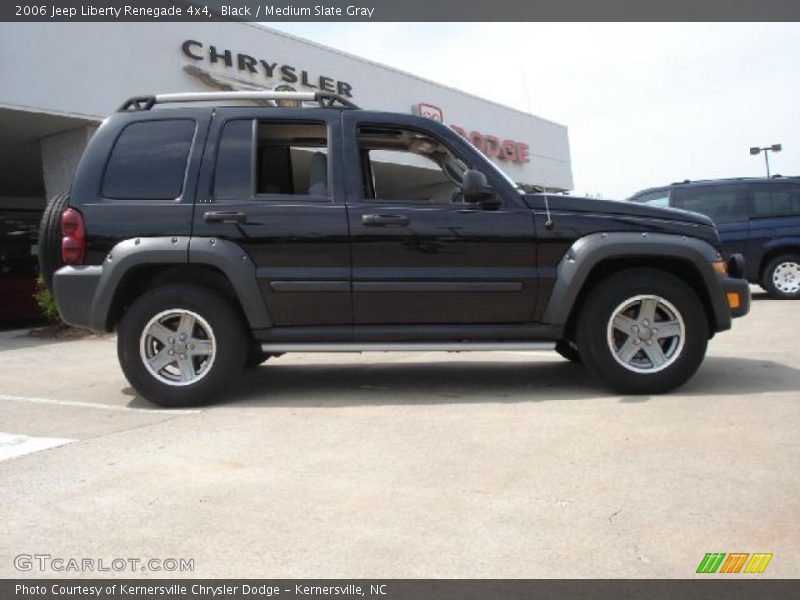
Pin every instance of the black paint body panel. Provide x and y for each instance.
(452, 272)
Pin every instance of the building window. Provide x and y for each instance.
(149, 160)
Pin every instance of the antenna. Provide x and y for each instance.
(549, 223)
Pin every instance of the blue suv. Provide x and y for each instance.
(758, 218)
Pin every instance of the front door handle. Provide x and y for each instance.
(224, 217)
(384, 220)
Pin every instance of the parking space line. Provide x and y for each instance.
(78, 404)
(12, 445)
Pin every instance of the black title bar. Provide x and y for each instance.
(713, 588)
(399, 10)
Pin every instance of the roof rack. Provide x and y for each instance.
(752, 178)
(324, 99)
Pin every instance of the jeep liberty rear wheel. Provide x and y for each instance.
(642, 331)
(782, 277)
(179, 345)
(256, 358)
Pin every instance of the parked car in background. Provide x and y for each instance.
(19, 230)
(756, 217)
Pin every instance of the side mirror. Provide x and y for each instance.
(476, 189)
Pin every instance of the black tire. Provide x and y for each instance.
(642, 376)
(225, 324)
(784, 264)
(50, 239)
(256, 358)
(569, 350)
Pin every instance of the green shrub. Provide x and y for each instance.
(47, 304)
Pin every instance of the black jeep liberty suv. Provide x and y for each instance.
(215, 235)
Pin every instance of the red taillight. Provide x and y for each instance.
(73, 244)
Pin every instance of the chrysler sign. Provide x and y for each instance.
(271, 70)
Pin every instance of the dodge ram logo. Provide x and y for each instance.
(429, 111)
(490, 145)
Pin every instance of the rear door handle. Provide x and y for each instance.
(224, 217)
(384, 220)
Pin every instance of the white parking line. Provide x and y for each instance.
(78, 404)
(12, 445)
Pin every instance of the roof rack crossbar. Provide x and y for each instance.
(138, 103)
(324, 99)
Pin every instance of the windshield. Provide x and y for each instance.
(505, 176)
(658, 198)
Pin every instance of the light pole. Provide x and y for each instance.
(766, 150)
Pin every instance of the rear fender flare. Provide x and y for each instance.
(223, 255)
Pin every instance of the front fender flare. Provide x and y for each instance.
(587, 252)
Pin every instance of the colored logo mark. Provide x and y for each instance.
(734, 562)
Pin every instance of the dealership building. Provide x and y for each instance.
(58, 81)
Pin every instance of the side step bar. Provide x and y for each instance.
(406, 346)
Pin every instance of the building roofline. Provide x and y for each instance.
(373, 63)
(51, 112)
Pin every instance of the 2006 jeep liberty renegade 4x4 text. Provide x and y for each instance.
(215, 235)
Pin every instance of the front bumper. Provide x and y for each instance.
(737, 295)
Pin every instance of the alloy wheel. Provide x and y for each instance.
(646, 334)
(178, 347)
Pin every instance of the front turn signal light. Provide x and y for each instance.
(733, 300)
(720, 268)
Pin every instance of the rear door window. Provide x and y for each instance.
(292, 159)
(776, 200)
(266, 161)
(233, 176)
(149, 160)
(723, 203)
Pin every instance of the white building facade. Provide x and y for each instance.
(58, 81)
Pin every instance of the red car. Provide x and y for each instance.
(18, 266)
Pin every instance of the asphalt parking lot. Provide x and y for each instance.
(407, 465)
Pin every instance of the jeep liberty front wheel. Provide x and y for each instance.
(178, 345)
(642, 331)
(569, 350)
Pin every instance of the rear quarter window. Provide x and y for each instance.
(148, 161)
(776, 200)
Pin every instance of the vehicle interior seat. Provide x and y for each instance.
(318, 175)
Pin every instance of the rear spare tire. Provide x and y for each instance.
(50, 239)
